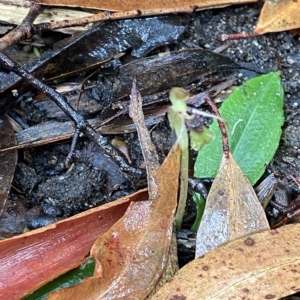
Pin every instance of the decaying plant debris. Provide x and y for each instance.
(193, 32)
(49, 193)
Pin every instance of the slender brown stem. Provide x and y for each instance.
(105, 16)
(27, 29)
(221, 125)
(238, 36)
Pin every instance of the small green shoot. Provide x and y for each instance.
(36, 52)
(68, 279)
(180, 117)
(200, 206)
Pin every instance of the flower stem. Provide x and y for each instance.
(183, 187)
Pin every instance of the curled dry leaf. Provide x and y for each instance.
(130, 256)
(30, 260)
(150, 155)
(232, 209)
(265, 265)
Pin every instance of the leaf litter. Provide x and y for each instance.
(232, 209)
(278, 16)
(265, 265)
(131, 256)
(155, 5)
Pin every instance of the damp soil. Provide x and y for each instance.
(45, 192)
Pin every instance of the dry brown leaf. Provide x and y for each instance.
(8, 160)
(232, 209)
(132, 254)
(157, 5)
(34, 258)
(278, 16)
(265, 265)
(150, 155)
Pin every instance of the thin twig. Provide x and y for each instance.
(27, 29)
(105, 16)
(221, 125)
(238, 36)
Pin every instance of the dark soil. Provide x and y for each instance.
(41, 175)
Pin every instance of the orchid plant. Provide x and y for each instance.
(187, 122)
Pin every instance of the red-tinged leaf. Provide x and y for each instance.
(130, 257)
(157, 5)
(8, 160)
(30, 260)
(264, 265)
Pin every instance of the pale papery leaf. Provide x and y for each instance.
(278, 16)
(264, 265)
(232, 209)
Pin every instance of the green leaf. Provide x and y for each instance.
(254, 116)
(200, 206)
(66, 280)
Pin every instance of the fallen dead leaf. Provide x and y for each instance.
(30, 260)
(157, 5)
(264, 265)
(278, 16)
(132, 255)
(232, 209)
(150, 155)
